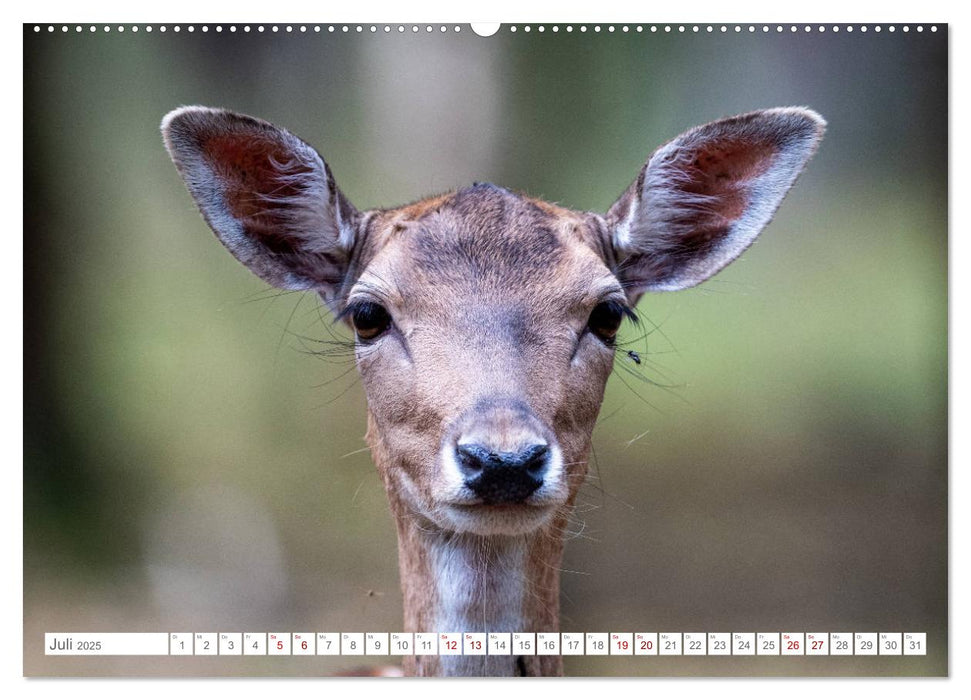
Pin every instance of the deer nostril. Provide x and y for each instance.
(503, 477)
(535, 458)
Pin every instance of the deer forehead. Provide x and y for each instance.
(486, 250)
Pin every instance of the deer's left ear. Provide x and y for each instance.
(702, 198)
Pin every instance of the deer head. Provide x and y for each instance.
(485, 324)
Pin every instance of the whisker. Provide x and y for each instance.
(636, 438)
(276, 354)
(342, 393)
(627, 384)
(356, 452)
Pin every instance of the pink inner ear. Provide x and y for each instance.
(724, 172)
(720, 175)
(703, 197)
(260, 179)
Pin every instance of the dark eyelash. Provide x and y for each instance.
(624, 310)
(351, 309)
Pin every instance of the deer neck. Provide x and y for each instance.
(471, 583)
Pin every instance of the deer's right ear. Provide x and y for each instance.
(267, 195)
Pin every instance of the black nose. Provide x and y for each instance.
(503, 477)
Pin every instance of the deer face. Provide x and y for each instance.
(485, 320)
(485, 325)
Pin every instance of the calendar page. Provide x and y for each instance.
(482, 350)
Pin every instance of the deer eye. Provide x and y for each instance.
(605, 320)
(370, 320)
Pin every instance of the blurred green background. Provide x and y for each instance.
(189, 467)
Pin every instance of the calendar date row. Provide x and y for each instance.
(487, 643)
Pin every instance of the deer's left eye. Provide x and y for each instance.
(370, 320)
(605, 320)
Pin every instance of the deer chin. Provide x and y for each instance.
(499, 519)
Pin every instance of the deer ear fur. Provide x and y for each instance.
(702, 198)
(267, 195)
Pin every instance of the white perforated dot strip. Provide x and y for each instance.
(485, 30)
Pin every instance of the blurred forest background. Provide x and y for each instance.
(189, 466)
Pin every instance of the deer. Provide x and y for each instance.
(485, 327)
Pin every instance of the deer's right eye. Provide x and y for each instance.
(370, 320)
